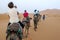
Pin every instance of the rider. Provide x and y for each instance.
(43, 17)
(13, 16)
(36, 12)
(26, 15)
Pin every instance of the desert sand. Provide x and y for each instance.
(48, 29)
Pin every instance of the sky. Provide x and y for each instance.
(30, 5)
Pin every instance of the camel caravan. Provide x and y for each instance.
(15, 28)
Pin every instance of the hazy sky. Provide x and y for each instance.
(30, 5)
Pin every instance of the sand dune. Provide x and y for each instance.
(47, 30)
